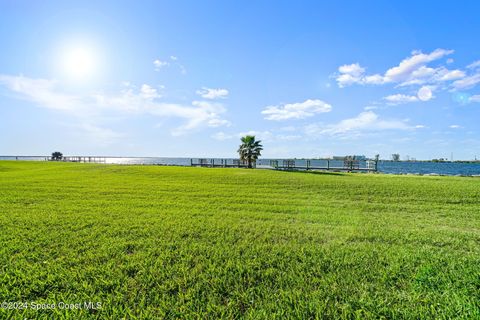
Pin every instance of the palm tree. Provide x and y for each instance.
(250, 150)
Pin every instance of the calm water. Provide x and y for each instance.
(445, 168)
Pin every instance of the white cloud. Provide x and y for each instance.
(373, 79)
(454, 126)
(425, 75)
(159, 64)
(209, 93)
(366, 121)
(447, 75)
(411, 70)
(148, 92)
(474, 65)
(420, 76)
(91, 107)
(300, 110)
(404, 70)
(420, 126)
(424, 93)
(475, 98)
(467, 82)
(205, 112)
(344, 80)
(45, 93)
(42, 92)
(352, 69)
(350, 74)
(400, 98)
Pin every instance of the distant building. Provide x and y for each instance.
(355, 157)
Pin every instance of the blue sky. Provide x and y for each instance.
(188, 78)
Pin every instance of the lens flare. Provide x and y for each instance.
(461, 97)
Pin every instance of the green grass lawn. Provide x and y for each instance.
(168, 242)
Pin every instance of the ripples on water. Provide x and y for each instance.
(444, 168)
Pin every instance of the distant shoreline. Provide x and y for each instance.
(208, 157)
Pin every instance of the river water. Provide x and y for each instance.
(401, 167)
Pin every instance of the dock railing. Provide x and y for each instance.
(83, 159)
(219, 163)
(346, 164)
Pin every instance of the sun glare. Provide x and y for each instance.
(79, 62)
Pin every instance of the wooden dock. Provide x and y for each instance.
(218, 163)
(82, 159)
(349, 165)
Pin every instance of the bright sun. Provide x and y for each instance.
(79, 62)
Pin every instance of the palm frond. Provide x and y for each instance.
(250, 149)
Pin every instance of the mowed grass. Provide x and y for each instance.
(153, 242)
